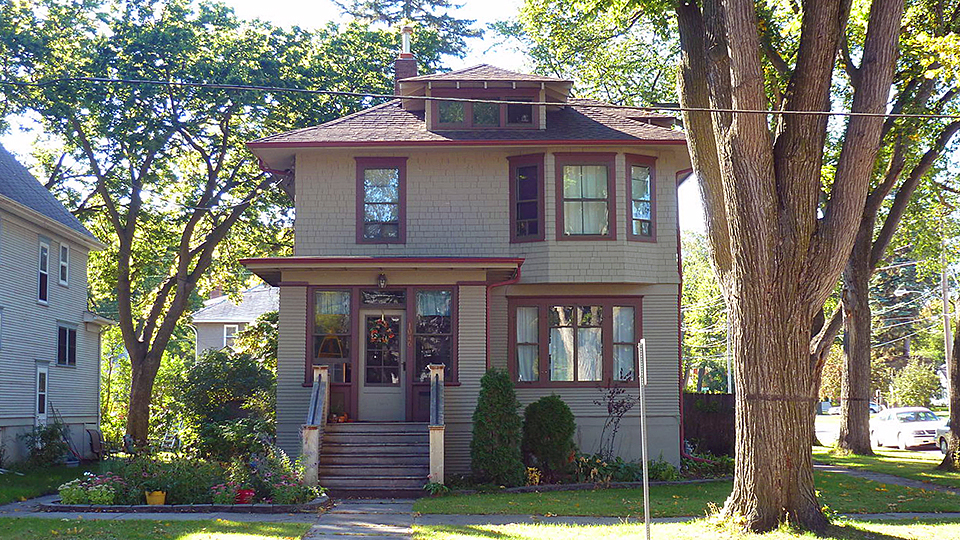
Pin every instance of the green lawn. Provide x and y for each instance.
(34, 483)
(698, 530)
(841, 493)
(915, 465)
(79, 529)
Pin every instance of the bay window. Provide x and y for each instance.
(586, 196)
(641, 198)
(576, 340)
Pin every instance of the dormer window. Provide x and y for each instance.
(450, 112)
(519, 114)
(480, 114)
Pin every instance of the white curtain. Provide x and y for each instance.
(527, 344)
(561, 354)
(589, 354)
(433, 303)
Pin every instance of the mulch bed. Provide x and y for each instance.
(312, 507)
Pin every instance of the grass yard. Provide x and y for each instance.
(841, 493)
(915, 465)
(79, 529)
(698, 530)
(35, 483)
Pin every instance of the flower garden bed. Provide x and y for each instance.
(257, 508)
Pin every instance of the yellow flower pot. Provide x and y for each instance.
(156, 497)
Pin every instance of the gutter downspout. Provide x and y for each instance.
(490, 287)
(681, 176)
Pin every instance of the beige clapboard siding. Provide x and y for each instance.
(293, 399)
(458, 206)
(460, 401)
(28, 331)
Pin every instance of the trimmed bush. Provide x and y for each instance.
(495, 448)
(548, 428)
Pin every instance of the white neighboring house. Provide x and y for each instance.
(49, 341)
(218, 321)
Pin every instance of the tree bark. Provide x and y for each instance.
(855, 378)
(951, 461)
(143, 373)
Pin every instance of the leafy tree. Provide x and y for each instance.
(916, 384)
(259, 339)
(704, 327)
(160, 171)
(435, 14)
(495, 446)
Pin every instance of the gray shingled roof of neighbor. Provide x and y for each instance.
(255, 302)
(18, 185)
(579, 120)
(484, 72)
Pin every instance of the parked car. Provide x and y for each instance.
(942, 440)
(874, 408)
(905, 427)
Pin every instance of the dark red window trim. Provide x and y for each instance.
(311, 322)
(588, 158)
(645, 161)
(505, 94)
(543, 303)
(399, 163)
(515, 163)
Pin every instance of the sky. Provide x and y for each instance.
(311, 14)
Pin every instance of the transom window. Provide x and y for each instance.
(380, 200)
(526, 198)
(586, 195)
(331, 333)
(640, 192)
(574, 340)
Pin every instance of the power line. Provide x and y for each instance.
(376, 95)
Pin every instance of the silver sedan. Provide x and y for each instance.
(905, 427)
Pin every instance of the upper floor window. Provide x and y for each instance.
(574, 340)
(66, 346)
(526, 198)
(585, 189)
(641, 198)
(479, 115)
(64, 264)
(381, 193)
(43, 271)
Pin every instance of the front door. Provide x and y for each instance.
(382, 379)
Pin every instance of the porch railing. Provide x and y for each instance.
(313, 428)
(436, 423)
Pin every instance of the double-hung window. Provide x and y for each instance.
(526, 198)
(586, 195)
(381, 190)
(641, 198)
(66, 346)
(43, 271)
(574, 340)
(230, 334)
(64, 265)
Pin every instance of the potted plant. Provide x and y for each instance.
(245, 494)
(155, 490)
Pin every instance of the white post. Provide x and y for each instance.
(642, 354)
(436, 423)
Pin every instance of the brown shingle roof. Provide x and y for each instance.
(484, 72)
(390, 124)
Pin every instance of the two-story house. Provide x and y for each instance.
(49, 341)
(537, 236)
(216, 324)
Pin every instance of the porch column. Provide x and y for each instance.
(436, 423)
(312, 430)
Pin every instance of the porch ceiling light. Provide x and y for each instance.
(382, 281)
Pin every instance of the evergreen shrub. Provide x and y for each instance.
(548, 428)
(495, 447)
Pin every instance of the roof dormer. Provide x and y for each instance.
(473, 88)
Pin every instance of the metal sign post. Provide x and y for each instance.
(642, 354)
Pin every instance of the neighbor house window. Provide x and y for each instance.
(574, 340)
(66, 346)
(433, 332)
(331, 333)
(42, 373)
(585, 191)
(43, 271)
(64, 265)
(380, 200)
(641, 198)
(526, 198)
(230, 334)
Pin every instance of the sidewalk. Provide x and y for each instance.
(884, 478)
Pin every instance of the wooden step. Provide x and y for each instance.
(376, 493)
(365, 459)
(382, 470)
(389, 427)
(373, 437)
(382, 482)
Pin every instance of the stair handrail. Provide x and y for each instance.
(312, 431)
(319, 397)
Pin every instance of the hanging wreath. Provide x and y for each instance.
(381, 332)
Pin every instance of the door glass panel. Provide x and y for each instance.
(382, 350)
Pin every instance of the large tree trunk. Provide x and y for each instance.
(951, 461)
(143, 373)
(855, 379)
(774, 476)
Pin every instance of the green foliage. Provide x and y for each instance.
(432, 14)
(436, 489)
(597, 469)
(916, 384)
(223, 385)
(548, 429)
(707, 465)
(495, 447)
(259, 339)
(229, 439)
(45, 445)
(704, 318)
(185, 480)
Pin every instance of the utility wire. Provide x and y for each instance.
(375, 95)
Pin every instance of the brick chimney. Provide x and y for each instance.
(405, 65)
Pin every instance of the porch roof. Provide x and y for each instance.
(270, 269)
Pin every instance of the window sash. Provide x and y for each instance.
(585, 194)
(331, 332)
(66, 346)
(380, 199)
(43, 272)
(433, 331)
(64, 265)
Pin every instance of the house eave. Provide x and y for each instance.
(30, 215)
